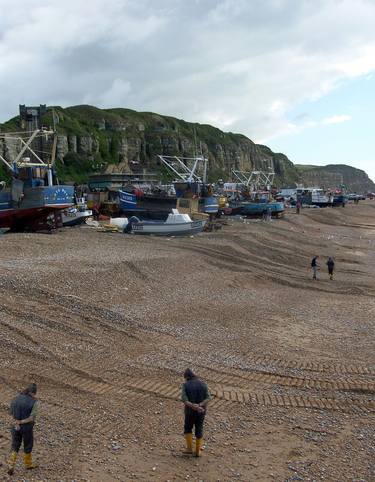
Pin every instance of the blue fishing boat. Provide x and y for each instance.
(23, 206)
(251, 195)
(260, 208)
(155, 204)
(189, 190)
(207, 202)
(34, 200)
(340, 199)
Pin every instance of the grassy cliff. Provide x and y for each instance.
(123, 140)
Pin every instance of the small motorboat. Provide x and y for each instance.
(77, 214)
(177, 224)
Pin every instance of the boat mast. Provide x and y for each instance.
(255, 180)
(21, 161)
(179, 165)
(31, 141)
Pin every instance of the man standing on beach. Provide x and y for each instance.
(23, 409)
(331, 266)
(195, 395)
(314, 266)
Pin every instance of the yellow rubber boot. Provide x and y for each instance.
(189, 443)
(28, 461)
(12, 462)
(198, 446)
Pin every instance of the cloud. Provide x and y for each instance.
(117, 94)
(336, 119)
(240, 65)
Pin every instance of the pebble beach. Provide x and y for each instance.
(106, 323)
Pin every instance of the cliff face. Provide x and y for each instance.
(335, 175)
(122, 140)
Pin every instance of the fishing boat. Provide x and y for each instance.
(191, 183)
(28, 207)
(153, 203)
(34, 199)
(340, 199)
(259, 208)
(156, 202)
(194, 190)
(251, 195)
(76, 214)
(313, 196)
(176, 224)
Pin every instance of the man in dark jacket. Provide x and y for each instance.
(195, 396)
(331, 266)
(314, 266)
(23, 409)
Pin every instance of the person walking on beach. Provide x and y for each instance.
(331, 267)
(298, 207)
(23, 409)
(314, 266)
(195, 395)
(96, 212)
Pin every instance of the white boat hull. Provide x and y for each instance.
(165, 229)
(75, 218)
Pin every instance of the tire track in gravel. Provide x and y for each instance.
(334, 368)
(132, 387)
(243, 376)
(86, 312)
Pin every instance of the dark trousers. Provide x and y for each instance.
(194, 419)
(25, 435)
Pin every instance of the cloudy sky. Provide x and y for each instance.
(297, 75)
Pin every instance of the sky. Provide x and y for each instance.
(296, 75)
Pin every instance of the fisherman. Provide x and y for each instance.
(314, 266)
(96, 212)
(23, 409)
(331, 266)
(195, 395)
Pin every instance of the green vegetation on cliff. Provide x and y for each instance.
(123, 140)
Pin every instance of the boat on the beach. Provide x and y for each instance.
(189, 191)
(34, 199)
(25, 206)
(176, 224)
(313, 196)
(260, 208)
(32, 196)
(340, 199)
(252, 195)
(191, 183)
(76, 214)
(152, 203)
